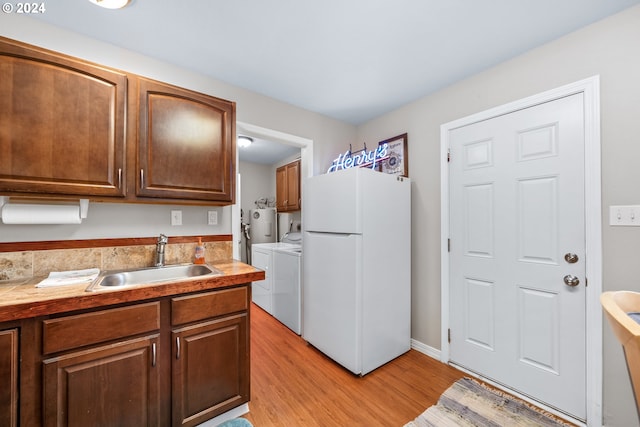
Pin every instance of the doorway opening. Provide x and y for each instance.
(305, 145)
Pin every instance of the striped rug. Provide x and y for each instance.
(469, 403)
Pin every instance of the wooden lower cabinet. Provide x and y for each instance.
(112, 385)
(176, 360)
(210, 372)
(9, 377)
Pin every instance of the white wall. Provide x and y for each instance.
(609, 48)
(135, 220)
(258, 181)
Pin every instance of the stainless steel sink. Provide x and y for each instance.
(169, 273)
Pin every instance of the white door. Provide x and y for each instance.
(517, 229)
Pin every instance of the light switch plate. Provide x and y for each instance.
(626, 216)
(176, 217)
(212, 217)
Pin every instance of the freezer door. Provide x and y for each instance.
(331, 203)
(332, 296)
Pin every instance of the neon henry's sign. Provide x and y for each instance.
(362, 159)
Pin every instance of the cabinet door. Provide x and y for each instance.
(186, 144)
(293, 186)
(113, 385)
(9, 378)
(210, 369)
(281, 189)
(288, 187)
(62, 124)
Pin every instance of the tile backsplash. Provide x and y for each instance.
(18, 265)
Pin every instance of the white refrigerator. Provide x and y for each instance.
(357, 267)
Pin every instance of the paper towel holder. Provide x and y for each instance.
(84, 208)
(83, 203)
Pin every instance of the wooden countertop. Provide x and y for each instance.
(20, 299)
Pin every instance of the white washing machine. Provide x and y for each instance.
(262, 257)
(286, 285)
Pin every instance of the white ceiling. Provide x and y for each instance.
(348, 59)
(266, 152)
(352, 60)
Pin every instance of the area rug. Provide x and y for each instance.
(236, 422)
(469, 403)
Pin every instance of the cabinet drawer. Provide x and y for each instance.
(99, 326)
(192, 308)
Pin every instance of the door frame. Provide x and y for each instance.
(590, 88)
(306, 168)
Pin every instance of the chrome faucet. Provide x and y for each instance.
(162, 241)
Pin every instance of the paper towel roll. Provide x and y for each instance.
(14, 213)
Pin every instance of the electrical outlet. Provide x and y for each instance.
(176, 217)
(628, 216)
(212, 217)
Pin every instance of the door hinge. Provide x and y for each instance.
(448, 156)
(449, 335)
(448, 245)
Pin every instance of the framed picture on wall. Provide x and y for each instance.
(396, 162)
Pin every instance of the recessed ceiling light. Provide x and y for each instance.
(111, 4)
(244, 141)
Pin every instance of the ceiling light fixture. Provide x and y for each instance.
(244, 141)
(111, 4)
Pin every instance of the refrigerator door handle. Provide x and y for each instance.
(327, 233)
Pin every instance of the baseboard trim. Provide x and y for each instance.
(423, 348)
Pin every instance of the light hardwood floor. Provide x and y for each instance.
(295, 385)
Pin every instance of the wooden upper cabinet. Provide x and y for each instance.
(186, 144)
(65, 123)
(288, 187)
(62, 124)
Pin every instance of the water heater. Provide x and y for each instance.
(262, 227)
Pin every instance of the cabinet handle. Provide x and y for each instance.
(177, 347)
(153, 354)
(119, 177)
(142, 179)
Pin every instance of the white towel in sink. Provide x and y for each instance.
(73, 277)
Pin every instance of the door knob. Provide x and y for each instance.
(571, 280)
(571, 258)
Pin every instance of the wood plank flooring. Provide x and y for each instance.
(295, 385)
